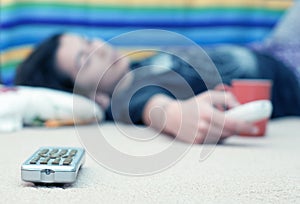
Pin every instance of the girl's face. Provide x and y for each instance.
(91, 63)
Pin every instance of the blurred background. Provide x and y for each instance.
(24, 23)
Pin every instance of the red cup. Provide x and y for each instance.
(247, 90)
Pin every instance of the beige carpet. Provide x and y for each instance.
(243, 170)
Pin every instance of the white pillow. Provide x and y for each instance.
(26, 105)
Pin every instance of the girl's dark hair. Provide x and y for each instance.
(40, 68)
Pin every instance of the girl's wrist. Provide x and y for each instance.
(172, 117)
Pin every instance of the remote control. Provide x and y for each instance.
(252, 112)
(53, 165)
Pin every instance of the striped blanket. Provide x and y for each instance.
(24, 23)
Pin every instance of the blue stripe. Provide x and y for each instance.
(137, 23)
(226, 35)
(258, 17)
(8, 76)
(134, 14)
(86, 14)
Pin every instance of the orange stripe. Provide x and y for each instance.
(15, 54)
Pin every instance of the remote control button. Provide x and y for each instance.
(63, 152)
(73, 152)
(56, 161)
(67, 161)
(33, 162)
(47, 171)
(69, 156)
(37, 158)
(44, 151)
(54, 156)
(43, 154)
(53, 151)
(44, 161)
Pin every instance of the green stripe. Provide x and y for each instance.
(10, 65)
(144, 8)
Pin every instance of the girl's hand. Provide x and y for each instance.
(197, 119)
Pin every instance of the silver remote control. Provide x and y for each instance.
(53, 165)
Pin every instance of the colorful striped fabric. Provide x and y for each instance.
(24, 23)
